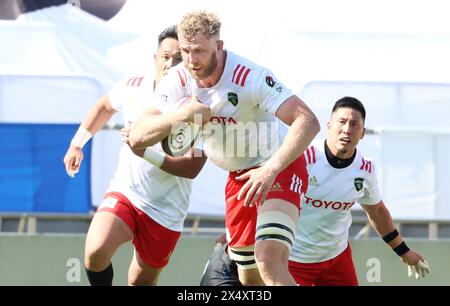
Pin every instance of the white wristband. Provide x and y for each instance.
(81, 137)
(153, 157)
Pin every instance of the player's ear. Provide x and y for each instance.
(328, 125)
(219, 45)
(363, 133)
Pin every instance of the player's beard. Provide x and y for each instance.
(342, 151)
(207, 70)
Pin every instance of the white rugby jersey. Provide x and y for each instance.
(325, 218)
(162, 196)
(243, 131)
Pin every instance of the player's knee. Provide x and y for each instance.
(250, 278)
(271, 254)
(272, 261)
(97, 257)
(142, 280)
(142, 277)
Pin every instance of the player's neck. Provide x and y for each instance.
(337, 160)
(214, 78)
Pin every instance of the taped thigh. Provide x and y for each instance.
(243, 256)
(275, 225)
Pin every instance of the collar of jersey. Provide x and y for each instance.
(335, 161)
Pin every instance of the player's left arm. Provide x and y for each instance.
(271, 96)
(381, 220)
(303, 127)
(149, 129)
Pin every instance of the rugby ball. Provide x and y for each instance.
(182, 137)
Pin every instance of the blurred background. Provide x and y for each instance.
(58, 57)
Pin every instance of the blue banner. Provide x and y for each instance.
(32, 172)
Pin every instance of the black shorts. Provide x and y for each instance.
(220, 270)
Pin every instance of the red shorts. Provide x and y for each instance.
(338, 271)
(290, 185)
(153, 242)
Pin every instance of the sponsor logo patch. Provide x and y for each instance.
(270, 81)
(276, 187)
(313, 181)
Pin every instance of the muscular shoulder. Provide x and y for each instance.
(314, 152)
(129, 89)
(177, 76)
(365, 164)
(242, 71)
(175, 85)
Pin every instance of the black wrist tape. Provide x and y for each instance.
(391, 236)
(401, 249)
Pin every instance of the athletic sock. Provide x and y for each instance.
(102, 278)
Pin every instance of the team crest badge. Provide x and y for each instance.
(359, 183)
(233, 98)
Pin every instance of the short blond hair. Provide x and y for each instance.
(204, 22)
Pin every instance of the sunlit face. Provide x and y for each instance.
(345, 130)
(200, 54)
(167, 56)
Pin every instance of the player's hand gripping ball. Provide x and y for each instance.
(182, 136)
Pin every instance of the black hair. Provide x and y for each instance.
(350, 102)
(170, 32)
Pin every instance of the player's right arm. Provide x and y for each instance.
(153, 126)
(156, 122)
(94, 121)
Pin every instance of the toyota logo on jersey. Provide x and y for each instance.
(335, 205)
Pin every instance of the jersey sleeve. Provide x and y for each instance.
(117, 94)
(270, 93)
(127, 89)
(371, 194)
(170, 90)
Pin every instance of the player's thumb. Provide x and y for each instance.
(77, 162)
(243, 177)
(194, 99)
(68, 165)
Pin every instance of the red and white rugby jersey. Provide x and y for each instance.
(164, 197)
(243, 131)
(126, 95)
(322, 230)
